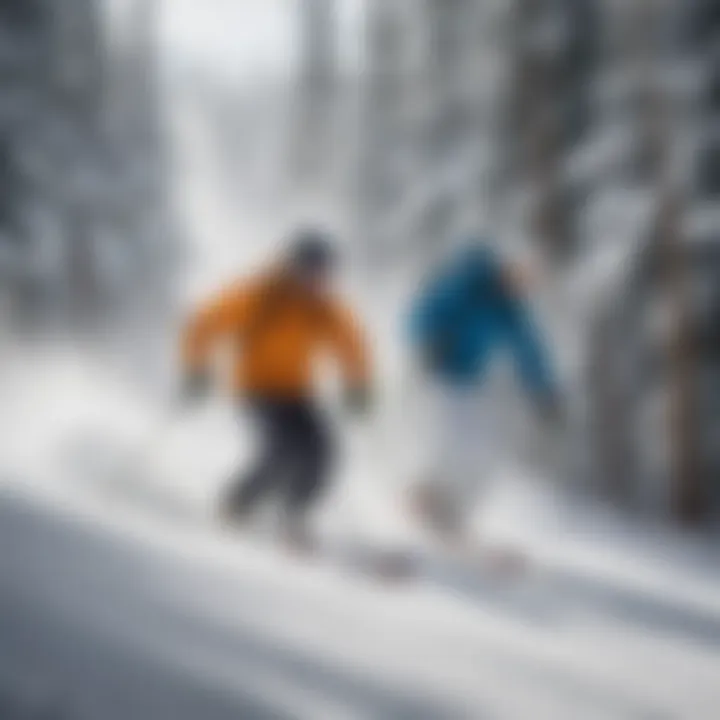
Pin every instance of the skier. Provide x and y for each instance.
(468, 310)
(278, 323)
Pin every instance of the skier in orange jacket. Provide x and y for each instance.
(278, 323)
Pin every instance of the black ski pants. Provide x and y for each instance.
(294, 459)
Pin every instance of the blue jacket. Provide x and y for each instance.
(464, 314)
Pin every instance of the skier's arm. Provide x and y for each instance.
(350, 346)
(531, 357)
(430, 319)
(428, 313)
(224, 314)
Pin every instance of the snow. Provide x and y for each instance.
(252, 627)
(171, 618)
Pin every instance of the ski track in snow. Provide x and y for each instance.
(240, 625)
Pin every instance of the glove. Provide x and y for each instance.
(550, 410)
(196, 387)
(551, 443)
(358, 400)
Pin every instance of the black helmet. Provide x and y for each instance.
(312, 251)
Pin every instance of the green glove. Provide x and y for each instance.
(195, 387)
(550, 410)
(358, 400)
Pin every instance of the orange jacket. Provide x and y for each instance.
(276, 330)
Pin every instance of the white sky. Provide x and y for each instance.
(245, 38)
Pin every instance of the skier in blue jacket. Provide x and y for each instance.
(469, 312)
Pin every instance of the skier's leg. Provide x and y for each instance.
(308, 472)
(484, 451)
(472, 461)
(267, 473)
(434, 500)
